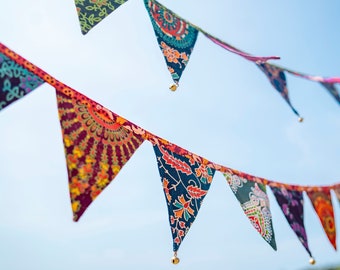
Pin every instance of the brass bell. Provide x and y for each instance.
(173, 87)
(175, 259)
(300, 119)
(311, 261)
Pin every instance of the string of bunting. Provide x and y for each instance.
(176, 38)
(98, 143)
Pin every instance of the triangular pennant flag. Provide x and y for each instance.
(255, 204)
(175, 36)
(323, 207)
(224, 45)
(96, 147)
(15, 81)
(92, 12)
(277, 78)
(186, 180)
(291, 203)
(332, 90)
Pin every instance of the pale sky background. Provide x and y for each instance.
(225, 110)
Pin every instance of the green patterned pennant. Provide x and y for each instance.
(255, 204)
(92, 12)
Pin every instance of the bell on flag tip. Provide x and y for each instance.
(173, 87)
(175, 259)
(300, 119)
(312, 261)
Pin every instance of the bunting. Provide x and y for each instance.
(98, 143)
(330, 87)
(186, 180)
(176, 37)
(255, 204)
(92, 12)
(322, 204)
(96, 147)
(291, 203)
(15, 81)
(278, 80)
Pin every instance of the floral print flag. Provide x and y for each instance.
(277, 78)
(255, 204)
(15, 81)
(92, 12)
(175, 36)
(186, 180)
(291, 203)
(96, 147)
(323, 207)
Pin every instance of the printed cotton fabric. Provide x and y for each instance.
(291, 203)
(92, 12)
(332, 90)
(185, 182)
(176, 37)
(15, 81)
(96, 147)
(255, 204)
(323, 207)
(277, 78)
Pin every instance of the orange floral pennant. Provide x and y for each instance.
(323, 207)
(96, 147)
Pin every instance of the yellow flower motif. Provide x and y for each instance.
(75, 191)
(75, 206)
(68, 142)
(120, 120)
(104, 166)
(78, 152)
(89, 159)
(115, 169)
(102, 182)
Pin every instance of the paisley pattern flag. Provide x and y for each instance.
(322, 204)
(175, 36)
(186, 181)
(96, 147)
(277, 78)
(255, 204)
(332, 90)
(15, 81)
(92, 12)
(291, 203)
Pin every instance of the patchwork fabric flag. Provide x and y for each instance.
(96, 147)
(186, 180)
(322, 204)
(277, 78)
(15, 81)
(255, 204)
(175, 36)
(291, 203)
(92, 12)
(258, 59)
(332, 90)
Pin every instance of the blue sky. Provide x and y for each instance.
(224, 110)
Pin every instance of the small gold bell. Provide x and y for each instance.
(175, 259)
(173, 87)
(300, 119)
(311, 261)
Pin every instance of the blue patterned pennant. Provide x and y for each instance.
(15, 81)
(186, 182)
(175, 36)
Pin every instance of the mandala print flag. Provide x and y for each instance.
(176, 37)
(96, 147)
(255, 204)
(322, 204)
(291, 203)
(277, 78)
(186, 181)
(92, 12)
(332, 90)
(15, 81)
